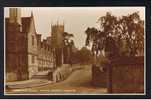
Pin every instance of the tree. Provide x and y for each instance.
(117, 36)
(123, 36)
(82, 56)
(67, 38)
(85, 55)
(132, 28)
(95, 37)
(67, 45)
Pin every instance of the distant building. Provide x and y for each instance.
(57, 31)
(62, 52)
(45, 54)
(26, 54)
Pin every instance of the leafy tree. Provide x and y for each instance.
(132, 28)
(96, 38)
(67, 45)
(82, 56)
(67, 38)
(118, 36)
(85, 55)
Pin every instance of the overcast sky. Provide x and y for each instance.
(76, 19)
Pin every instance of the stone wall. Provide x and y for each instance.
(32, 49)
(99, 76)
(128, 79)
(62, 72)
(122, 75)
(127, 75)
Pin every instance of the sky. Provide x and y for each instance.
(75, 19)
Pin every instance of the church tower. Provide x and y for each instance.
(15, 15)
(57, 31)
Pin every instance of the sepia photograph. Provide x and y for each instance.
(74, 50)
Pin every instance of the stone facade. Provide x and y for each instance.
(32, 49)
(25, 52)
(45, 54)
(16, 48)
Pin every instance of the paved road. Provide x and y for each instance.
(78, 82)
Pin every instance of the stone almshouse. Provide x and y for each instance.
(26, 54)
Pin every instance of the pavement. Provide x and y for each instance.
(27, 83)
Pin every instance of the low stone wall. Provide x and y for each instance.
(62, 72)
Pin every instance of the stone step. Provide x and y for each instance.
(40, 77)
